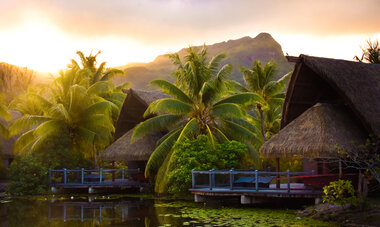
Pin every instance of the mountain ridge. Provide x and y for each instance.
(240, 52)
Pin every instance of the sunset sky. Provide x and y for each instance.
(44, 35)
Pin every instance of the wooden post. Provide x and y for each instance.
(210, 178)
(82, 176)
(122, 175)
(192, 178)
(257, 180)
(49, 176)
(100, 175)
(113, 171)
(231, 178)
(64, 176)
(277, 175)
(288, 175)
(325, 169)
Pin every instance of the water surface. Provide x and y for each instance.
(140, 211)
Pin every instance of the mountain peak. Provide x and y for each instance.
(263, 35)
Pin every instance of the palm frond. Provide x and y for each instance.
(4, 131)
(220, 135)
(24, 142)
(172, 90)
(247, 98)
(110, 73)
(168, 105)
(26, 123)
(161, 152)
(215, 62)
(225, 110)
(239, 132)
(154, 124)
(190, 130)
(59, 111)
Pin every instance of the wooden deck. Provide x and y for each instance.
(226, 183)
(94, 179)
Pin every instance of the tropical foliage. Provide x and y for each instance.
(74, 106)
(4, 116)
(199, 154)
(14, 80)
(261, 81)
(339, 192)
(371, 53)
(199, 105)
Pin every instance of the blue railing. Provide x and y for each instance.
(91, 176)
(245, 179)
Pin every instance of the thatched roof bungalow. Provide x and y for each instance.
(135, 154)
(349, 112)
(355, 85)
(316, 133)
(133, 109)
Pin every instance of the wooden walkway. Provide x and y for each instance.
(94, 179)
(254, 187)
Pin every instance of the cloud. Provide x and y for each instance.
(168, 21)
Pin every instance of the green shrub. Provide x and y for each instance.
(29, 172)
(199, 154)
(339, 192)
(28, 176)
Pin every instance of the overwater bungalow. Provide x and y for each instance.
(330, 105)
(134, 154)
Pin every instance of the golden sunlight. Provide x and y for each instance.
(39, 45)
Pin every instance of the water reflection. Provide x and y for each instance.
(136, 212)
(78, 212)
(96, 211)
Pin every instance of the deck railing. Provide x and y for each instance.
(245, 179)
(90, 176)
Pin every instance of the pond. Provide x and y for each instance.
(117, 210)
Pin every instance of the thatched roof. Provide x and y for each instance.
(7, 144)
(123, 150)
(133, 109)
(353, 84)
(316, 134)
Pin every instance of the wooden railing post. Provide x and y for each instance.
(210, 178)
(122, 175)
(192, 178)
(257, 180)
(288, 175)
(64, 176)
(100, 175)
(82, 176)
(213, 177)
(49, 176)
(231, 178)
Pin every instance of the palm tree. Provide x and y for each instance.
(5, 116)
(100, 73)
(261, 81)
(70, 110)
(371, 53)
(197, 106)
(98, 80)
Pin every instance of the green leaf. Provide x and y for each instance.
(154, 124)
(172, 90)
(169, 105)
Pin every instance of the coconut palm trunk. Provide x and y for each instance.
(262, 123)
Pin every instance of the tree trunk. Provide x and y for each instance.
(262, 121)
